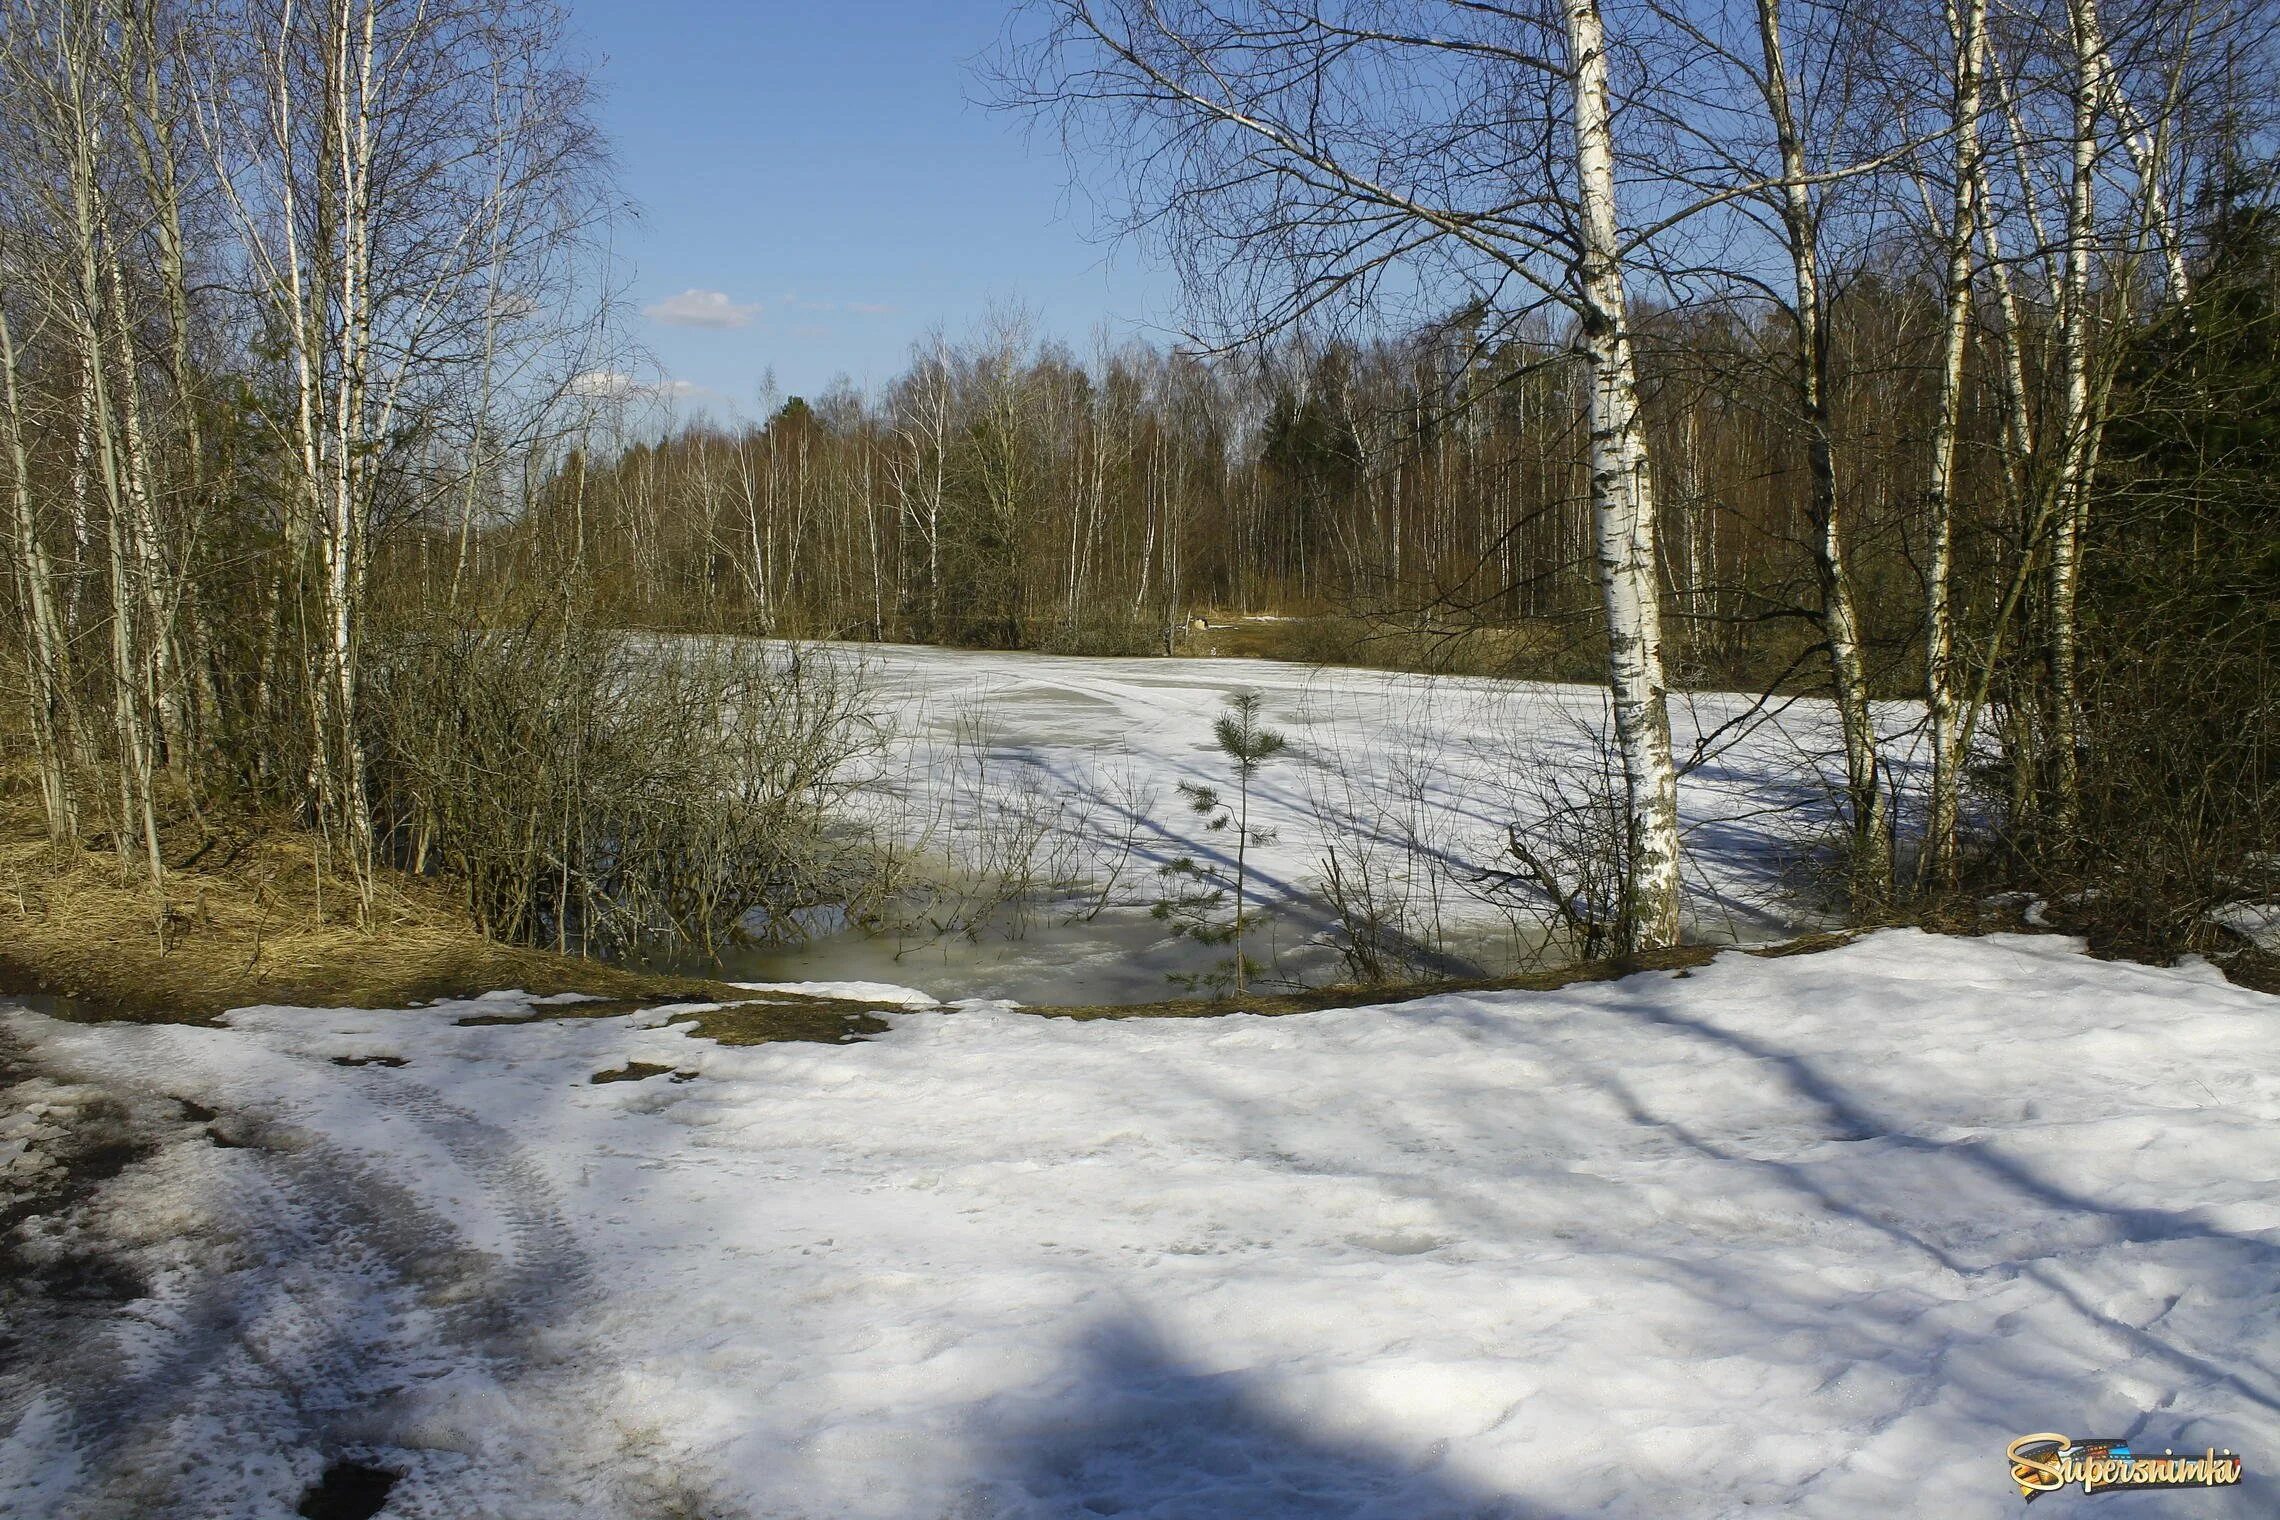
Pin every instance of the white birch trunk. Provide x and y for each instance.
(342, 531)
(1622, 499)
(137, 809)
(43, 625)
(1936, 867)
(1871, 862)
(2071, 500)
(2097, 69)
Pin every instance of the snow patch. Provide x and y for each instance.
(2256, 922)
(1805, 1236)
(856, 992)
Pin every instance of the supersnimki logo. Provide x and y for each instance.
(2046, 1462)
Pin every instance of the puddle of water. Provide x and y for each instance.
(1122, 957)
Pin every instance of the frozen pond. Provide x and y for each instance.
(1049, 789)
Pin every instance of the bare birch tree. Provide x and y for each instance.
(1478, 158)
(394, 171)
(1966, 27)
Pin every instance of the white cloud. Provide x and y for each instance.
(701, 308)
(617, 384)
(603, 382)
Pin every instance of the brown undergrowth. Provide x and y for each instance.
(251, 913)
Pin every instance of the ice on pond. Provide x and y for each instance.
(1048, 791)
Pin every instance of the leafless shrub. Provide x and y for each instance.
(601, 793)
(989, 838)
(1400, 858)
(1566, 842)
(1376, 871)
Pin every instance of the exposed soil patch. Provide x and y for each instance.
(348, 1491)
(631, 1071)
(748, 1020)
(72, 1140)
(762, 1021)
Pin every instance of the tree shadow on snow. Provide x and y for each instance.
(1968, 1169)
(287, 1321)
(1141, 1432)
(1839, 1158)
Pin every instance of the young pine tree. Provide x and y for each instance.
(1242, 738)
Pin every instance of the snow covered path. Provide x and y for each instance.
(1811, 1236)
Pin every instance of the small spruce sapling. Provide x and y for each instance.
(1242, 738)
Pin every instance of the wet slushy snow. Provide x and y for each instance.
(1806, 1236)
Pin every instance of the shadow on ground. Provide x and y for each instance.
(1142, 1433)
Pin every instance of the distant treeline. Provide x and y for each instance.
(1919, 351)
(1004, 491)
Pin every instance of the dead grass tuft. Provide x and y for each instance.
(252, 914)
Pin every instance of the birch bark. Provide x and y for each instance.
(1622, 498)
(43, 626)
(2077, 442)
(1871, 862)
(1936, 867)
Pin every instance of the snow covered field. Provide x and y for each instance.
(1074, 765)
(1812, 1236)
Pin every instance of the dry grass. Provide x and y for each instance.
(251, 914)
(1540, 650)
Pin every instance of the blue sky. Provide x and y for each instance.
(816, 190)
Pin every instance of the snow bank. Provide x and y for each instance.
(1811, 1236)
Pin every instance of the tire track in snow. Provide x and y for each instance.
(307, 1303)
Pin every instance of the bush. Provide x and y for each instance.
(600, 792)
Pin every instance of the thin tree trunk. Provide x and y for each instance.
(137, 809)
(188, 641)
(2106, 96)
(2076, 442)
(1936, 867)
(1622, 499)
(1870, 866)
(341, 540)
(44, 637)
(154, 580)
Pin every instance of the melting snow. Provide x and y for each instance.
(1074, 765)
(1812, 1236)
